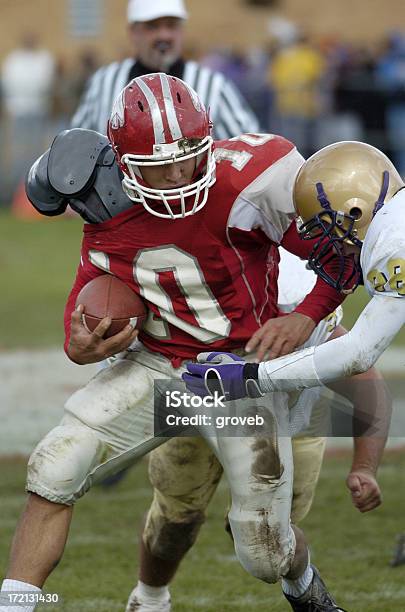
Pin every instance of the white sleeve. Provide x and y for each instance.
(350, 354)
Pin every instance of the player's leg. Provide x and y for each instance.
(184, 473)
(303, 582)
(267, 545)
(108, 424)
(56, 470)
(259, 471)
(308, 454)
(308, 451)
(47, 541)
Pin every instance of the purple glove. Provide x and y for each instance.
(223, 373)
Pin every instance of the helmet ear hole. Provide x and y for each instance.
(178, 98)
(356, 213)
(140, 106)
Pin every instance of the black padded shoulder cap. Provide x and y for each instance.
(43, 198)
(73, 158)
(80, 170)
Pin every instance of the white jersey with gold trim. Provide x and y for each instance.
(383, 266)
(383, 252)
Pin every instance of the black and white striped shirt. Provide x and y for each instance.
(229, 112)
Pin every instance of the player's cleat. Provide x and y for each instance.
(315, 599)
(399, 554)
(135, 604)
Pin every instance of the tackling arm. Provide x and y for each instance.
(372, 405)
(353, 353)
(371, 418)
(372, 413)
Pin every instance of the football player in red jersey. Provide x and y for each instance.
(198, 240)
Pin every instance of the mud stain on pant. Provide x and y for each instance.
(267, 466)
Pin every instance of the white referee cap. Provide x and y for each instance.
(146, 10)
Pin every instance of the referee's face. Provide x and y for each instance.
(158, 43)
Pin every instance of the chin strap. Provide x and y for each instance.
(383, 193)
(324, 202)
(322, 197)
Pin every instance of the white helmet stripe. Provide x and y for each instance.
(194, 98)
(170, 110)
(157, 120)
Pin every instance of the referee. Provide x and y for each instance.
(156, 30)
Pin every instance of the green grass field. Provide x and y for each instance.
(38, 260)
(98, 570)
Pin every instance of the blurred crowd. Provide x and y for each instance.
(312, 92)
(315, 93)
(38, 95)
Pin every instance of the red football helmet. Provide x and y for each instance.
(158, 119)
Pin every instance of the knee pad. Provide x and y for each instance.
(170, 540)
(60, 466)
(261, 547)
(185, 472)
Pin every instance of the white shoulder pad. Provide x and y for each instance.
(383, 252)
(267, 202)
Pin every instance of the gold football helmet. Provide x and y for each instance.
(337, 192)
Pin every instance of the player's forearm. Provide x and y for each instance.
(320, 302)
(367, 454)
(370, 437)
(351, 354)
(372, 405)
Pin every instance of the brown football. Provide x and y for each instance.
(108, 296)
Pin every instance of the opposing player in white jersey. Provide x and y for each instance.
(351, 199)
